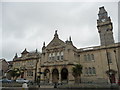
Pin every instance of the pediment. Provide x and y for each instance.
(56, 42)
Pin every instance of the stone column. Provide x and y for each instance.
(50, 78)
(70, 77)
(41, 77)
(59, 81)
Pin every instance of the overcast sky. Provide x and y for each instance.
(28, 25)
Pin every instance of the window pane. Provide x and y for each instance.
(86, 71)
(93, 70)
(58, 57)
(50, 55)
(61, 53)
(89, 57)
(58, 54)
(85, 57)
(90, 70)
(92, 56)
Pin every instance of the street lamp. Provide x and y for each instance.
(39, 77)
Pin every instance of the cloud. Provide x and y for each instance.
(29, 24)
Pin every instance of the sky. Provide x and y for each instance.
(29, 24)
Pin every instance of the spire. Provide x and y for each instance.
(56, 35)
(102, 13)
(16, 56)
(70, 38)
(43, 43)
(43, 46)
(36, 50)
(102, 10)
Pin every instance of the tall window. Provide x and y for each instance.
(50, 56)
(92, 57)
(86, 70)
(29, 73)
(109, 57)
(89, 59)
(93, 70)
(90, 70)
(85, 57)
(58, 56)
(61, 55)
(53, 56)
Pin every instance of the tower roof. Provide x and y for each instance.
(102, 10)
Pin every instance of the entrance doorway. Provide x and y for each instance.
(47, 75)
(112, 78)
(55, 76)
(111, 74)
(64, 75)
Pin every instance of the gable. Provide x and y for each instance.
(56, 42)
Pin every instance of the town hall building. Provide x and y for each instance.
(54, 64)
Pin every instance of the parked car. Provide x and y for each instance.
(5, 80)
(21, 80)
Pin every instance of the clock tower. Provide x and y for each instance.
(105, 27)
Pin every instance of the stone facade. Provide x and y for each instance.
(54, 64)
(27, 62)
(105, 27)
(3, 67)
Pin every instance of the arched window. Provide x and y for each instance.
(92, 57)
(93, 70)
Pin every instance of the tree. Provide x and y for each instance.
(15, 73)
(76, 72)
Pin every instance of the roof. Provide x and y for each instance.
(55, 41)
(25, 51)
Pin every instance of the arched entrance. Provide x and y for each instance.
(55, 76)
(64, 75)
(47, 75)
(111, 74)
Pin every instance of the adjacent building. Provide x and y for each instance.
(54, 64)
(3, 68)
(28, 62)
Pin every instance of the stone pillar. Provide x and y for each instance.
(41, 77)
(59, 80)
(70, 77)
(50, 78)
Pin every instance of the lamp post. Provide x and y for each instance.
(39, 78)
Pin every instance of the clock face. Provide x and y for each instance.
(103, 20)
